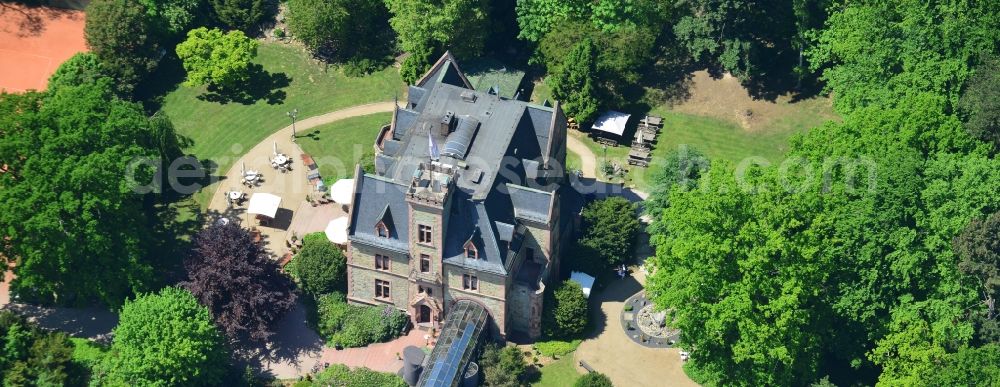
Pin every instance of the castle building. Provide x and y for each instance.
(465, 204)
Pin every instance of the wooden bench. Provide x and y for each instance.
(586, 366)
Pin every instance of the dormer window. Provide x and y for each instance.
(470, 251)
(381, 230)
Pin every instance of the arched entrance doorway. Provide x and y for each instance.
(423, 314)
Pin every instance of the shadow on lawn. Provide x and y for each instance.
(260, 85)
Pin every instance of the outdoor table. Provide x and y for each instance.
(281, 159)
(235, 195)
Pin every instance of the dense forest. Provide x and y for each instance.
(871, 255)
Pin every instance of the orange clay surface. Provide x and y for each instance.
(34, 41)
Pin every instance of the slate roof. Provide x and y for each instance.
(375, 199)
(530, 204)
(488, 133)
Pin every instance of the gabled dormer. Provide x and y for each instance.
(385, 227)
(471, 251)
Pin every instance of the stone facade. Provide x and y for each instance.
(473, 227)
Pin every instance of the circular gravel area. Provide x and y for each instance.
(645, 326)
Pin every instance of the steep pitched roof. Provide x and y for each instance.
(445, 70)
(378, 199)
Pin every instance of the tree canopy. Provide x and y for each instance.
(980, 101)
(320, 267)
(434, 26)
(80, 69)
(565, 314)
(164, 339)
(593, 379)
(236, 280)
(502, 366)
(79, 162)
(843, 261)
(573, 83)
(610, 228)
(341, 29)
(243, 15)
(978, 249)
(31, 356)
(212, 57)
(172, 18)
(121, 35)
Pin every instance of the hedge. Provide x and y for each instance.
(341, 376)
(357, 325)
(557, 348)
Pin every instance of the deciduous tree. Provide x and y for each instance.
(502, 366)
(434, 26)
(234, 278)
(244, 15)
(981, 101)
(120, 34)
(212, 57)
(742, 36)
(172, 18)
(80, 69)
(341, 29)
(79, 164)
(593, 379)
(320, 267)
(611, 226)
(164, 339)
(565, 314)
(978, 248)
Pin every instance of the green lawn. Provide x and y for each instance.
(573, 162)
(560, 373)
(222, 132)
(336, 147)
(541, 93)
(718, 139)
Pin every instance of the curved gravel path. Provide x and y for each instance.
(588, 161)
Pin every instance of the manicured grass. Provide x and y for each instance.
(222, 132)
(336, 147)
(718, 139)
(560, 373)
(541, 93)
(573, 162)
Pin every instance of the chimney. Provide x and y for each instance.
(447, 122)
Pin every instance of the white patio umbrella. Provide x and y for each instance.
(342, 191)
(264, 204)
(336, 230)
(275, 148)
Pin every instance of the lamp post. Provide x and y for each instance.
(294, 113)
(603, 169)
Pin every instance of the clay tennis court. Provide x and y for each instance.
(34, 41)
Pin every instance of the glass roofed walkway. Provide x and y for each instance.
(457, 345)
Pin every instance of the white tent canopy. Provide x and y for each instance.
(264, 204)
(342, 191)
(336, 231)
(585, 280)
(612, 122)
